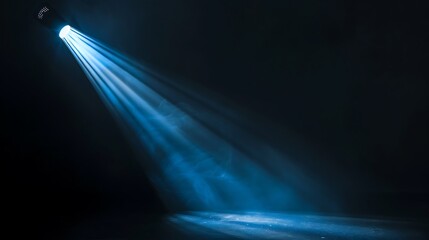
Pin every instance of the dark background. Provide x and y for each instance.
(347, 81)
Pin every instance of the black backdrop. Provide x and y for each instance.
(347, 80)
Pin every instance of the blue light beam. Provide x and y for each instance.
(200, 159)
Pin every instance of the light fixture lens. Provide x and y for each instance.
(64, 31)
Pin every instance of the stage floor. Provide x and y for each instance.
(249, 225)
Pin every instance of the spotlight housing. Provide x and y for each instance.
(49, 17)
(64, 31)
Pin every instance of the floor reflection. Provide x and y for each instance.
(282, 226)
(239, 225)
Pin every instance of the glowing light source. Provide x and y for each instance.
(64, 31)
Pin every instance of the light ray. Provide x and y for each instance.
(200, 158)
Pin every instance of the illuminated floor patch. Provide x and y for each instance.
(254, 225)
(281, 226)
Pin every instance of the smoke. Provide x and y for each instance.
(202, 156)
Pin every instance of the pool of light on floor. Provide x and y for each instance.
(258, 225)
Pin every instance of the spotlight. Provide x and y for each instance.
(64, 31)
(48, 17)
